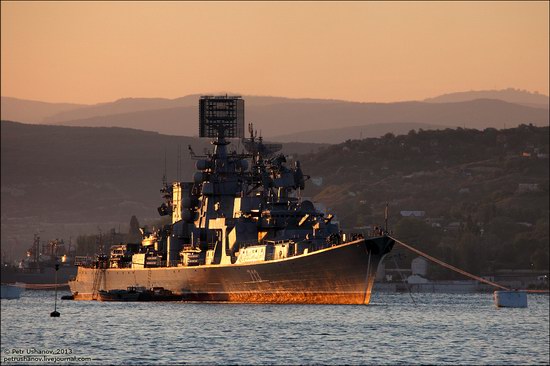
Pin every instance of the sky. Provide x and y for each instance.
(91, 52)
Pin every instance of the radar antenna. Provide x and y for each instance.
(221, 117)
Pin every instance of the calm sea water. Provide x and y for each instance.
(438, 329)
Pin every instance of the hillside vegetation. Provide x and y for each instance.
(484, 194)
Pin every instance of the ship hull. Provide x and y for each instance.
(343, 274)
(45, 276)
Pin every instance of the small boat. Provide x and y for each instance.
(134, 293)
(158, 294)
(130, 294)
(10, 291)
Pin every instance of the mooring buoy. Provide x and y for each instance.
(55, 313)
(510, 299)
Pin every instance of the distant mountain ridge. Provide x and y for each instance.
(32, 111)
(129, 105)
(301, 120)
(125, 105)
(281, 119)
(509, 95)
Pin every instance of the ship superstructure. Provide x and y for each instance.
(240, 231)
(38, 266)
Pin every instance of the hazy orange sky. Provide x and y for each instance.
(89, 52)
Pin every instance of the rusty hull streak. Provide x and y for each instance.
(356, 298)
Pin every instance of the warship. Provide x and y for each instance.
(38, 268)
(240, 231)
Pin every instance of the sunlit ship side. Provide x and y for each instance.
(343, 274)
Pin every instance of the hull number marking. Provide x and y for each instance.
(254, 275)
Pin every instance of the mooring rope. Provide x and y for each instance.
(467, 274)
(403, 280)
(446, 265)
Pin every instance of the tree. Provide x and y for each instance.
(86, 245)
(469, 249)
(134, 234)
(418, 234)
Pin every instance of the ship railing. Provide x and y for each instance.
(171, 263)
(82, 260)
(31, 270)
(352, 237)
(284, 241)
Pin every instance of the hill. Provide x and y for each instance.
(120, 106)
(61, 179)
(129, 105)
(481, 197)
(478, 194)
(31, 111)
(339, 135)
(509, 95)
(297, 117)
(303, 120)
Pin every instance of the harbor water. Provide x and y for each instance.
(434, 329)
